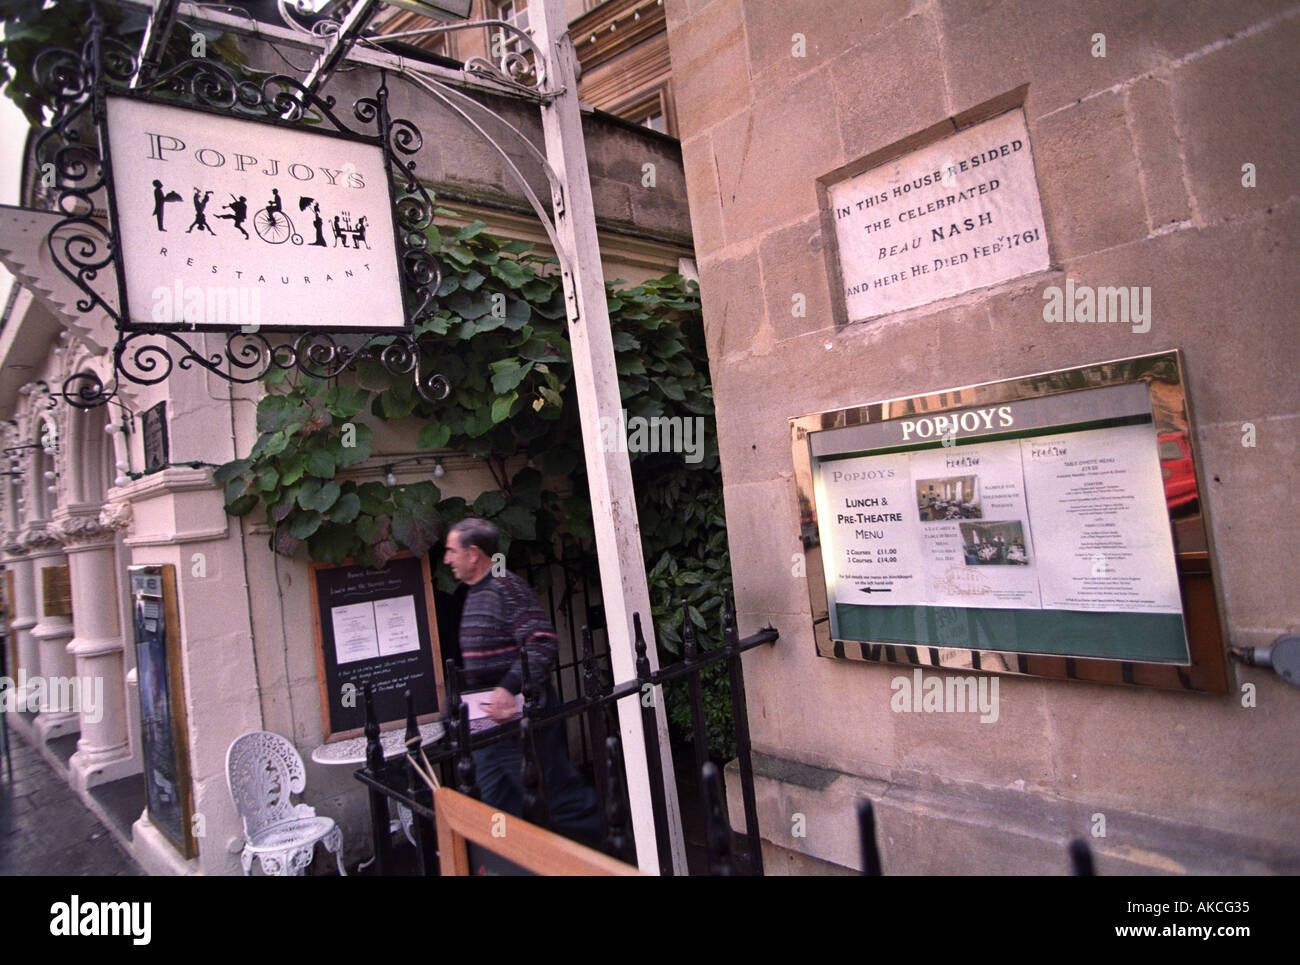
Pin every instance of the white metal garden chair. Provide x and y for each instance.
(262, 769)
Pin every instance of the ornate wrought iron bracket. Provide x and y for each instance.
(78, 83)
(514, 71)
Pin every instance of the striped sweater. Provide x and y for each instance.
(501, 616)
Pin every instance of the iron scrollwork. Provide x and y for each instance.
(85, 246)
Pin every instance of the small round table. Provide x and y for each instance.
(393, 742)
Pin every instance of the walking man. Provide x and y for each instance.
(503, 624)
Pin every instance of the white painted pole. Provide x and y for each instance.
(609, 474)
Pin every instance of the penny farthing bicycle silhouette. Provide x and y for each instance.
(274, 226)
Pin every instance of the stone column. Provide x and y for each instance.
(52, 634)
(23, 616)
(89, 539)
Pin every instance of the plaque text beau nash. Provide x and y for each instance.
(960, 214)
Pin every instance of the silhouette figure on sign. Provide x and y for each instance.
(274, 226)
(160, 199)
(345, 229)
(238, 209)
(318, 224)
(200, 218)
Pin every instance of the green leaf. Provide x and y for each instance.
(236, 488)
(501, 407)
(398, 402)
(318, 496)
(332, 544)
(519, 522)
(471, 230)
(506, 375)
(268, 479)
(291, 468)
(489, 503)
(345, 456)
(286, 544)
(223, 474)
(623, 342)
(373, 376)
(345, 510)
(416, 534)
(433, 435)
(629, 365)
(272, 444)
(517, 314)
(320, 463)
(478, 421)
(345, 401)
(538, 290)
(373, 496)
(304, 525)
(511, 273)
(242, 506)
(672, 389)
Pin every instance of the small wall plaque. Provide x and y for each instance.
(154, 429)
(56, 591)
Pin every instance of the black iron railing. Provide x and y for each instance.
(396, 780)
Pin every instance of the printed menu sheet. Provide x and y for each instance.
(374, 628)
(1072, 521)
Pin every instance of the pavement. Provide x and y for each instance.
(45, 829)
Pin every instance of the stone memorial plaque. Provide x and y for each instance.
(960, 214)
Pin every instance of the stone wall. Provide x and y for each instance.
(1139, 157)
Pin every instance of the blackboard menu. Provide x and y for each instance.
(375, 627)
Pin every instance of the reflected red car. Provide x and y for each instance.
(1176, 468)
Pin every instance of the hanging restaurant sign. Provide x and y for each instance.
(239, 206)
(228, 223)
(1048, 525)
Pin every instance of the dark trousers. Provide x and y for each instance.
(570, 802)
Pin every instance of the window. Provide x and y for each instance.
(512, 12)
(655, 122)
(649, 109)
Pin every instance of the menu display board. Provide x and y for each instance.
(1031, 517)
(375, 627)
(165, 743)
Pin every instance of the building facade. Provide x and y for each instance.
(77, 494)
(1165, 154)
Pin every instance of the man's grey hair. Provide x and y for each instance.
(473, 531)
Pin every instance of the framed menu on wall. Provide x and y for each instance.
(375, 627)
(1024, 526)
(165, 740)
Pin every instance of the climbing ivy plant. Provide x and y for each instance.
(500, 336)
